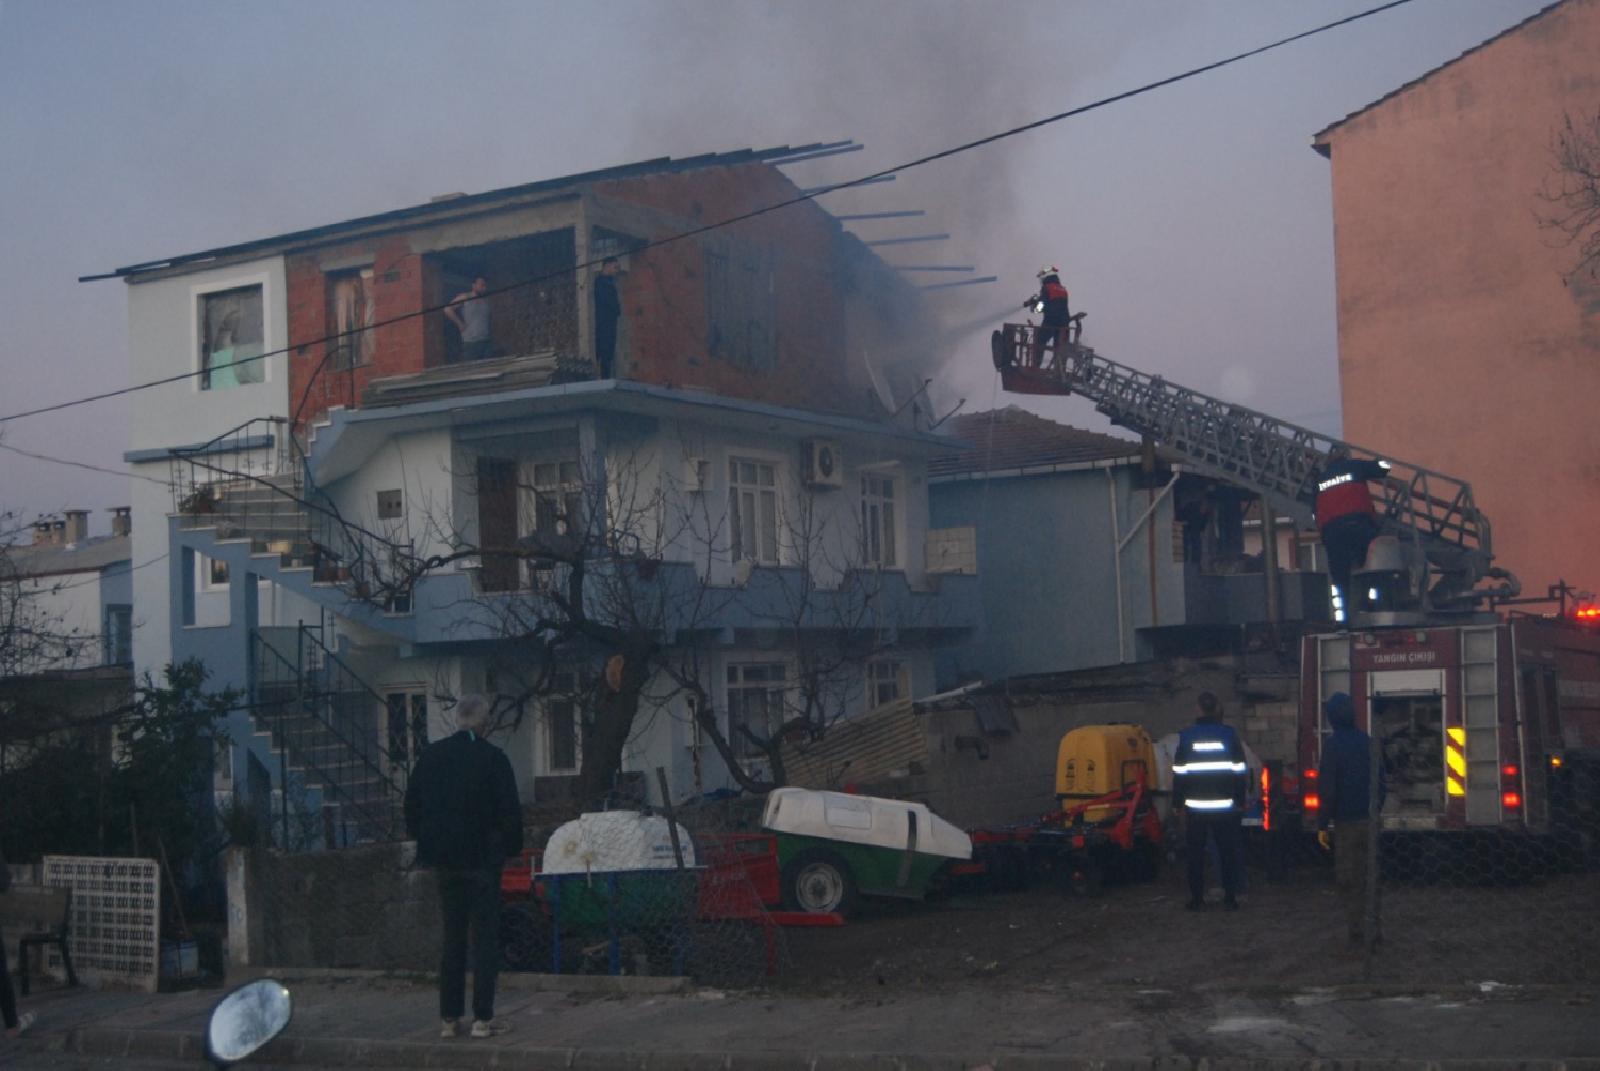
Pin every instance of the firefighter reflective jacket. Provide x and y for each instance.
(1342, 489)
(1209, 771)
(1056, 307)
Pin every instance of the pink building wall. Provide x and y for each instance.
(1462, 347)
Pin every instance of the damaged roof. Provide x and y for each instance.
(54, 559)
(1013, 440)
(1319, 139)
(453, 204)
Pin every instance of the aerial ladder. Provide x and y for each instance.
(1434, 554)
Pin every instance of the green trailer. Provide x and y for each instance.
(834, 846)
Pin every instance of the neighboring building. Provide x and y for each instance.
(1093, 552)
(1463, 347)
(66, 637)
(364, 528)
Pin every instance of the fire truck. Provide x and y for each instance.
(1488, 715)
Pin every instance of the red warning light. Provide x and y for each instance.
(1588, 614)
(1512, 800)
(1509, 770)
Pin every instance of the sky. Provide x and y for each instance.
(1193, 224)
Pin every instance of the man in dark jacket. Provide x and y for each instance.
(14, 1024)
(1210, 778)
(463, 812)
(1345, 784)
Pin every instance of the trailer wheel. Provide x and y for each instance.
(1085, 877)
(818, 882)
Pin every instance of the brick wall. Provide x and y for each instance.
(664, 297)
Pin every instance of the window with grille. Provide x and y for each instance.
(755, 702)
(557, 490)
(753, 510)
(390, 505)
(118, 634)
(878, 532)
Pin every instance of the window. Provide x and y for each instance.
(351, 307)
(557, 497)
(562, 737)
(212, 573)
(753, 510)
(878, 536)
(755, 702)
(741, 302)
(118, 635)
(390, 505)
(407, 727)
(886, 682)
(231, 336)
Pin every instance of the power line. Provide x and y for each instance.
(84, 465)
(806, 195)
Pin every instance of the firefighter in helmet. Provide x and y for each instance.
(1052, 301)
(1346, 519)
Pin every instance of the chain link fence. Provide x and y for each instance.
(620, 892)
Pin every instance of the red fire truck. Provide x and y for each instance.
(1487, 728)
(1489, 721)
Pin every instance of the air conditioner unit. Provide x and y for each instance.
(696, 474)
(821, 465)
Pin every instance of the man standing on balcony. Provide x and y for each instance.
(469, 311)
(607, 311)
(463, 812)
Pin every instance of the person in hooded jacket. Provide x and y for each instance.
(1210, 780)
(461, 808)
(1349, 805)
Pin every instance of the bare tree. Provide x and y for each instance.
(608, 585)
(1572, 190)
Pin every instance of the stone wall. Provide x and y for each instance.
(367, 907)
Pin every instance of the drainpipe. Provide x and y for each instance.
(1122, 540)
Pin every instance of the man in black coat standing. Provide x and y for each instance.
(463, 812)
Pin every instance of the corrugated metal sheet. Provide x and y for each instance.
(884, 742)
(1013, 438)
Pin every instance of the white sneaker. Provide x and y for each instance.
(449, 1028)
(488, 1028)
(24, 1021)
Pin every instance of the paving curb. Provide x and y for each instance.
(123, 1043)
(508, 981)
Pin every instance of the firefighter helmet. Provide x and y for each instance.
(1046, 272)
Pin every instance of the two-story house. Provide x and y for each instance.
(399, 476)
(66, 620)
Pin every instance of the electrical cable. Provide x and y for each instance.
(84, 465)
(742, 217)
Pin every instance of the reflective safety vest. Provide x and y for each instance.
(1209, 771)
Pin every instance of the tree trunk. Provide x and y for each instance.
(613, 722)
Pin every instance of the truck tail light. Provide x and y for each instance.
(1312, 801)
(1509, 771)
(1555, 762)
(1512, 800)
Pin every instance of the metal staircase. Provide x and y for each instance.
(1429, 510)
(321, 720)
(323, 724)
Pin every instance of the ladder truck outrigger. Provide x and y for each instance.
(1489, 720)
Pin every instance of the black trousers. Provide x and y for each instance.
(1224, 829)
(1346, 540)
(605, 346)
(469, 899)
(8, 999)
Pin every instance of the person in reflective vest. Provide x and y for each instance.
(1210, 779)
(1346, 519)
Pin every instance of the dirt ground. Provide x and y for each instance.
(1288, 934)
